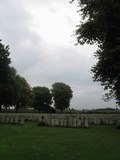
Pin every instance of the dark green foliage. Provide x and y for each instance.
(14, 89)
(48, 109)
(62, 95)
(42, 99)
(23, 94)
(101, 25)
(4, 62)
(9, 88)
(4, 73)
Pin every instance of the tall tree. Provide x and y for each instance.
(22, 93)
(14, 89)
(62, 94)
(42, 98)
(100, 24)
(9, 89)
(4, 73)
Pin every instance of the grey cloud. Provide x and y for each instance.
(47, 2)
(65, 65)
(15, 31)
(43, 64)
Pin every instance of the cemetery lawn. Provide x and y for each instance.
(32, 142)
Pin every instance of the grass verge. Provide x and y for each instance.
(31, 142)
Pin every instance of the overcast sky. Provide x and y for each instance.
(39, 33)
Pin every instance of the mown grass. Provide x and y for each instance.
(31, 142)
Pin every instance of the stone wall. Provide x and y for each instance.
(63, 120)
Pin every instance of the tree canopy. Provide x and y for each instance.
(100, 24)
(23, 93)
(42, 99)
(4, 73)
(62, 94)
(14, 89)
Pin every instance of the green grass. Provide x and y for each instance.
(31, 142)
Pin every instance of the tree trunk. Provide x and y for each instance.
(61, 110)
(16, 108)
(0, 108)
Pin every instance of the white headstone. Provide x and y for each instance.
(11, 119)
(86, 123)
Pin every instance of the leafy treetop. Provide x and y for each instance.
(100, 24)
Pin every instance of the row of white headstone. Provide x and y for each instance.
(63, 122)
(79, 118)
(101, 121)
(12, 119)
(49, 121)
